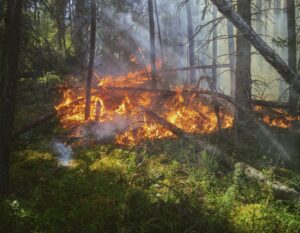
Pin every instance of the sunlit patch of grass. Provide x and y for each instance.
(163, 187)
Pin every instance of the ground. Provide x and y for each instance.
(162, 186)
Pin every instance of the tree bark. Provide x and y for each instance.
(231, 51)
(152, 43)
(243, 69)
(259, 44)
(190, 32)
(91, 61)
(8, 95)
(292, 51)
(78, 34)
(215, 49)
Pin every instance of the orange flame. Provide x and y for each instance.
(189, 113)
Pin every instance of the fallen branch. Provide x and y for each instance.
(166, 124)
(43, 119)
(212, 150)
(34, 124)
(280, 191)
(203, 67)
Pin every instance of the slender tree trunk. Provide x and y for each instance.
(259, 44)
(231, 51)
(91, 61)
(215, 49)
(159, 34)
(190, 32)
(243, 69)
(8, 95)
(78, 34)
(152, 43)
(292, 47)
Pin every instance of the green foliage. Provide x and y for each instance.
(158, 187)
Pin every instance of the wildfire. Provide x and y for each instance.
(279, 118)
(112, 101)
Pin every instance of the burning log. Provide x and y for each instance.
(174, 129)
(212, 150)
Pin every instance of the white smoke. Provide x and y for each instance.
(64, 153)
(103, 130)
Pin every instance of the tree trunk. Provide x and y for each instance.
(215, 49)
(91, 61)
(231, 51)
(8, 95)
(292, 47)
(78, 34)
(152, 43)
(190, 32)
(259, 44)
(243, 69)
(159, 34)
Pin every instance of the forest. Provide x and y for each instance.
(149, 116)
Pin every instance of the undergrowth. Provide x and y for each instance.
(164, 186)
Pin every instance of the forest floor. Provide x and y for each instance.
(163, 186)
(156, 186)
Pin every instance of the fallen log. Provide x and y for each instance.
(33, 124)
(280, 191)
(212, 150)
(166, 124)
(43, 119)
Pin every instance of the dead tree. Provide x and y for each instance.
(9, 89)
(91, 61)
(152, 43)
(259, 44)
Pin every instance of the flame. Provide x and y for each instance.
(133, 59)
(277, 118)
(189, 113)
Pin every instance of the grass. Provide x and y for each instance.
(162, 186)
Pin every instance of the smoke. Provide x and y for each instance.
(64, 153)
(103, 130)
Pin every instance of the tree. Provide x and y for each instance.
(232, 58)
(152, 43)
(78, 33)
(190, 32)
(259, 44)
(243, 68)
(9, 82)
(292, 51)
(91, 60)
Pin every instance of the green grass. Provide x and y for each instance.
(163, 186)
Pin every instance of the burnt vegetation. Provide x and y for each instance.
(149, 116)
